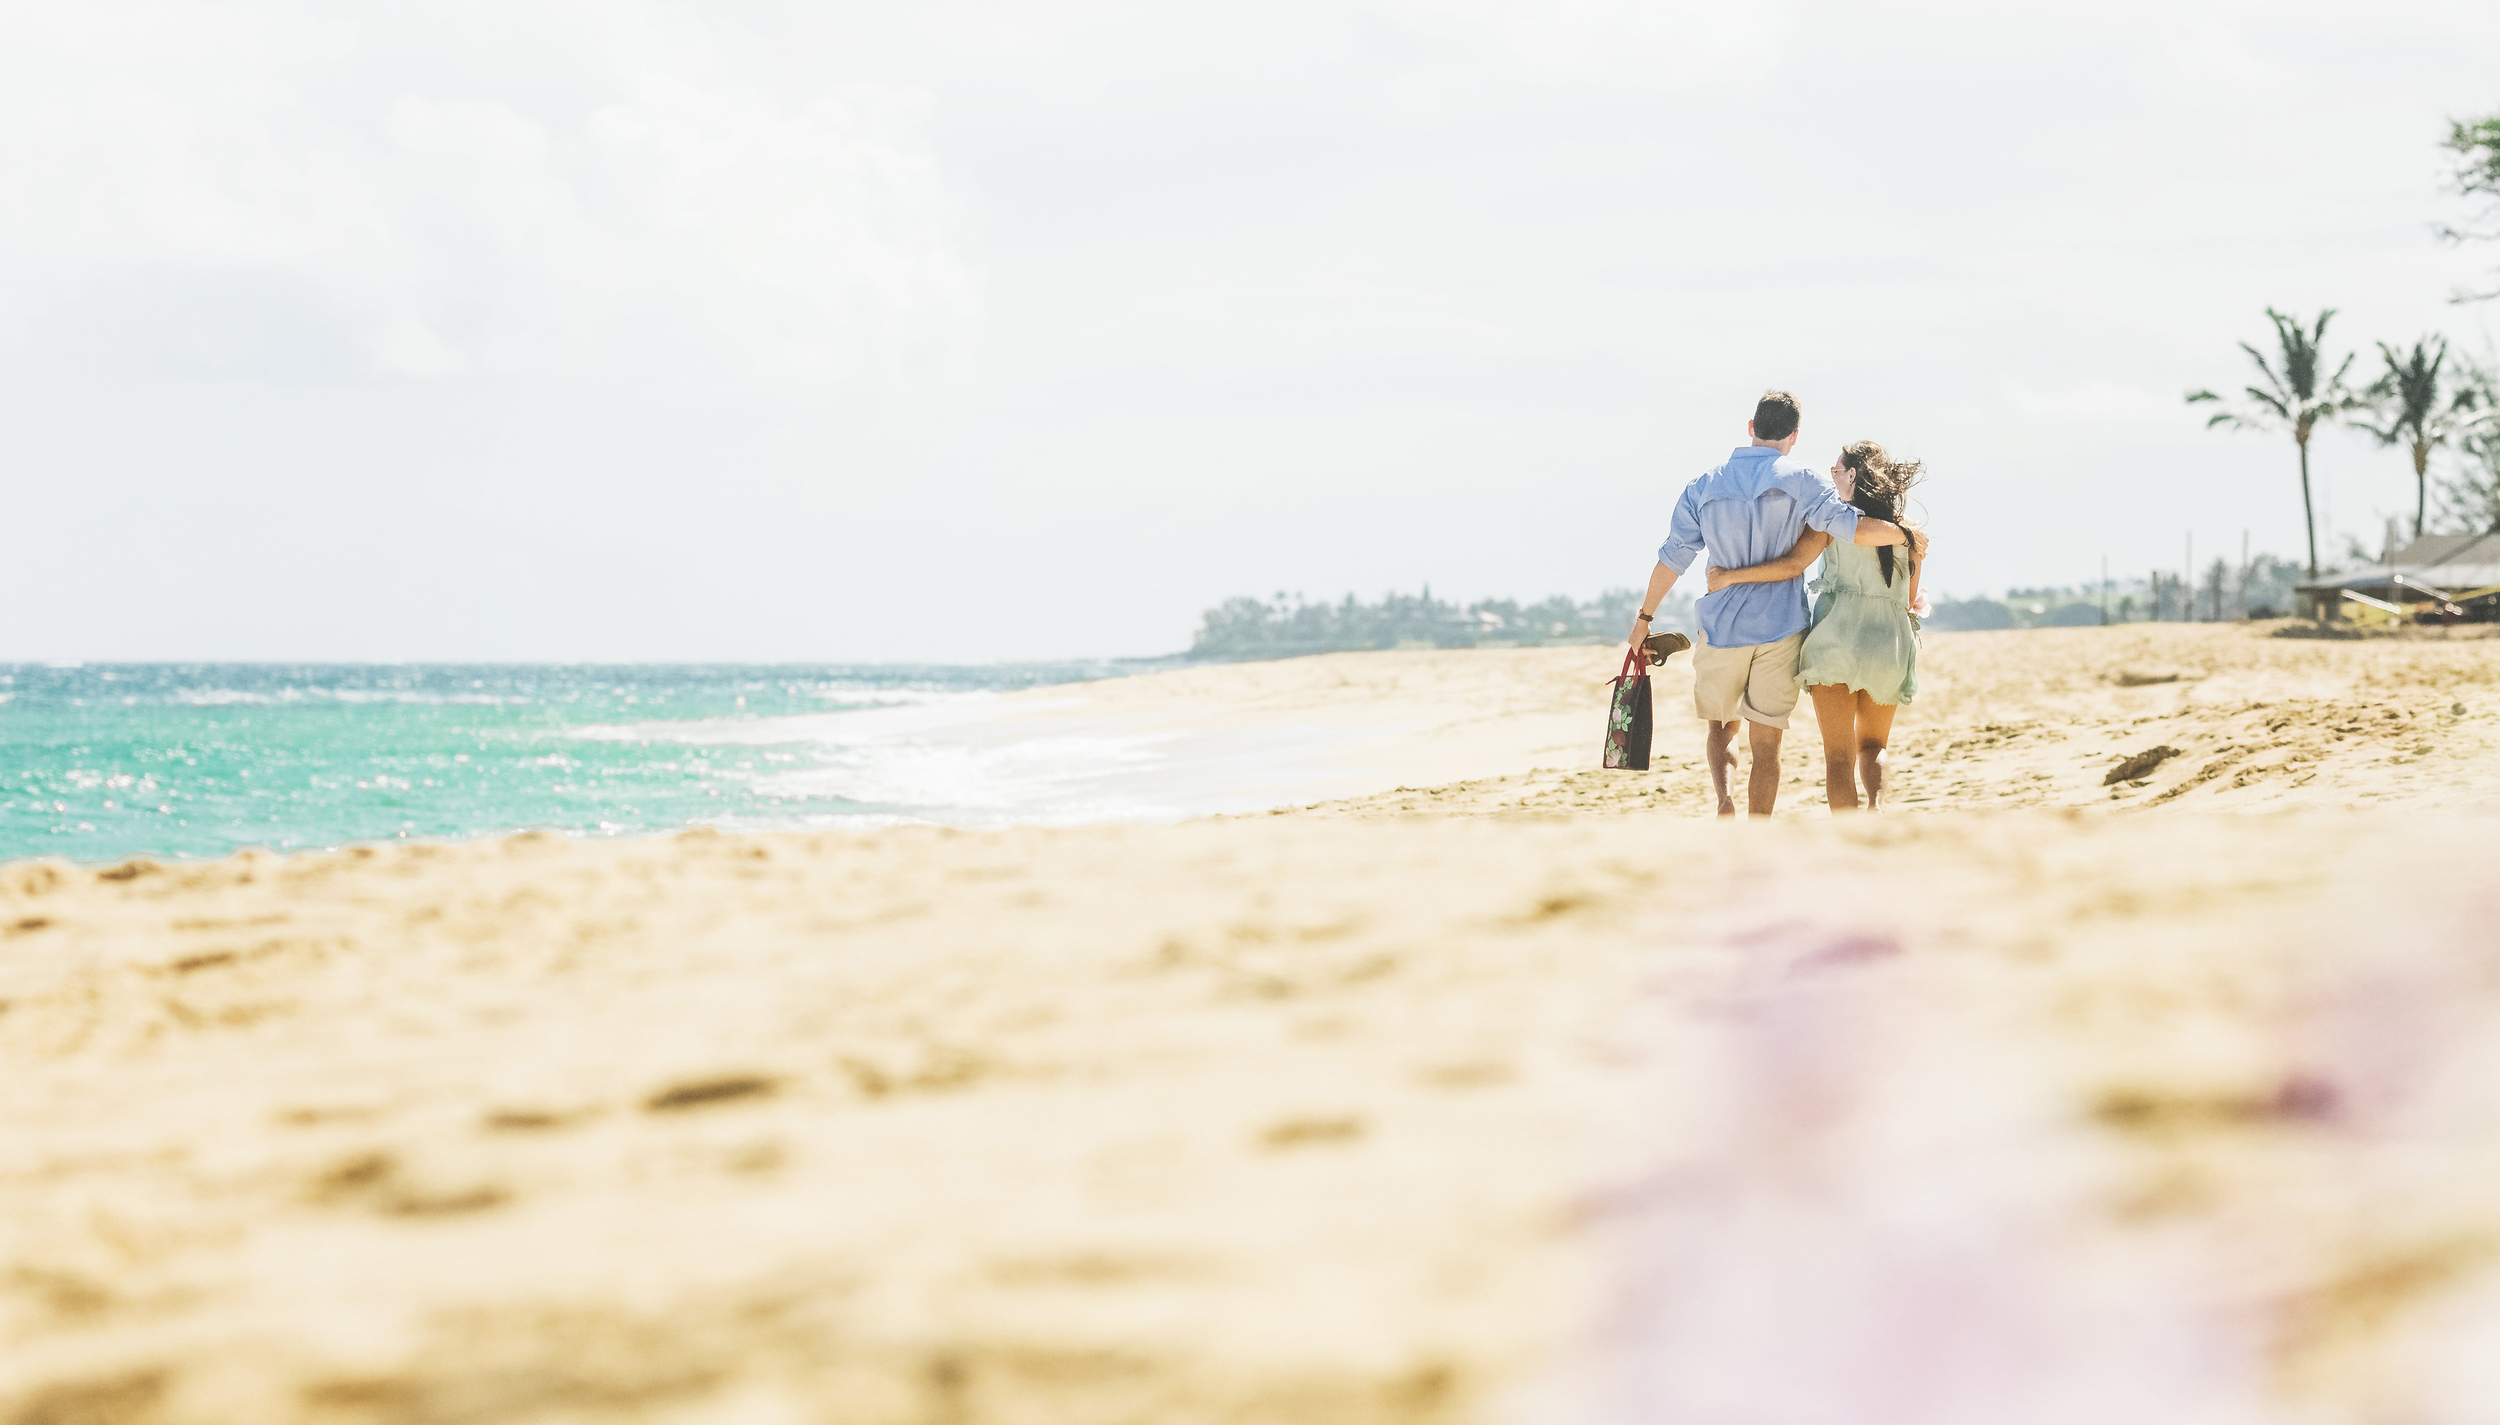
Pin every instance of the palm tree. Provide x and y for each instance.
(2471, 496)
(2413, 410)
(2292, 399)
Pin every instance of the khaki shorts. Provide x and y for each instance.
(1757, 682)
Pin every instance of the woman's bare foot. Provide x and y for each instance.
(1840, 787)
(1871, 772)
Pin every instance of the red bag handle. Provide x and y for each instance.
(1635, 663)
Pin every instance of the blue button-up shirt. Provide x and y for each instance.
(1752, 510)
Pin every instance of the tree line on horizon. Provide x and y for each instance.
(2418, 400)
(1287, 624)
(2260, 588)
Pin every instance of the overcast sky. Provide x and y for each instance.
(523, 330)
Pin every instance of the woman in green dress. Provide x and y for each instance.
(1860, 661)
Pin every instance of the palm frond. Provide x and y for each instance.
(2476, 143)
(2409, 399)
(2260, 358)
(2476, 424)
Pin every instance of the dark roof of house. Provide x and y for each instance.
(2433, 550)
(2446, 561)
(2454, 578)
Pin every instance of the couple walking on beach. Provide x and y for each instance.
(1764, 517)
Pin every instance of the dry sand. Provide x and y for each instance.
(1524, 1094)
(2029, 719)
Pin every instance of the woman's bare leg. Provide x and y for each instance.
(1836, 713)
(1874, 735)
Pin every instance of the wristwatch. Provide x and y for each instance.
(1640, 618)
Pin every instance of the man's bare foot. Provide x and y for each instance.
(1718, 748)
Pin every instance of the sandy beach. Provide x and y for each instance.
(1475, 1085)
(2030, 719)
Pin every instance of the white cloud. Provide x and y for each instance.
(549, 189)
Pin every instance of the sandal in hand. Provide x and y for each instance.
(1659, 645)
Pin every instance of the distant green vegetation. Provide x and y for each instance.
(1287, 625)
(2224, 591)
(2475, 143)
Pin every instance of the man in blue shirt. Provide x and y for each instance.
(1752, 510)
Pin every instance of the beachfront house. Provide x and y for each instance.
(2436, 570)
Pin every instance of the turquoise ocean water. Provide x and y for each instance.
(101, 761)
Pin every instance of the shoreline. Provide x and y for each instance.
(2010, 718)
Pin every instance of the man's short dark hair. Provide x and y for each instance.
(1775, 416)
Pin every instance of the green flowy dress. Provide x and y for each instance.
(1863, 635)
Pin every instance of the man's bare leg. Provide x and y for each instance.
(1874, 734)
(1718, 747)
(1763, 788)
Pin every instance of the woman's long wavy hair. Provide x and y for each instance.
(1881, 487)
